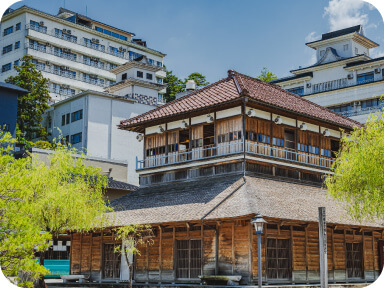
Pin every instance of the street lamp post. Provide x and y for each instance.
(258, 222)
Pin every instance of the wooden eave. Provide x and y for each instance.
(140, 127)
(364, 41)
(134, 64)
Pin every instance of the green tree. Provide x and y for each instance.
(266, 75)
(358, 178)
(174, 85)
(199, 79)
(33, 105)
(56, 195)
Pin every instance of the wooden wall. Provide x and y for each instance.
(237, 253)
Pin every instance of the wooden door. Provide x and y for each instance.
(355, 260)
(188, 253)
(278, 259)
(111, 262)
(380, 246)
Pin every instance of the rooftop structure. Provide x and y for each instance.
(344, 78)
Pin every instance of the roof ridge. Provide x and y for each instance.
(122, 122)
(298, 97)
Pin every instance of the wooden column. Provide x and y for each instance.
(250, 249)
(160, 252)
(333, 255)
(81, 249)
(306, 254)
(70, 254)
(233, 248)
(292, 256)
(202, 249)
(173, 252)
(90, 258)
(363, 264)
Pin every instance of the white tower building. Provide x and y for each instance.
(345, 78)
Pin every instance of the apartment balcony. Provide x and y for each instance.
(356, 111)
(252, 149)
(91, 49)
(77, 62)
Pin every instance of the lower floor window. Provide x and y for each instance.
(188, 253)
(278, 259)
(76, 138)
(354, 260)
(111, 261)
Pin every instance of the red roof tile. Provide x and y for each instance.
(234, 87)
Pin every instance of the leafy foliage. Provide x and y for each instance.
(54, 195)
(199, 79)
(33, 105)
(266, 75)
(132, 236)
(176, 85)
(44, 145)
(358, 178)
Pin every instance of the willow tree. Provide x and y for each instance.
(358, 178)
(53, 196)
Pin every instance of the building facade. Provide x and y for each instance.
(75, 52)
(345, 78)
(212, 160)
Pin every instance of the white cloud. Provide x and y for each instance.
(345, 13)
(311, 37)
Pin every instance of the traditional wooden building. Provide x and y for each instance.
(212, 160)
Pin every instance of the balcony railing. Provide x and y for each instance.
(336, 84)
(69, 56)
(235, 147)
(71, 75)
(356, 111)
(84, 43)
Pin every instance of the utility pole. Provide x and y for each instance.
(323, 248)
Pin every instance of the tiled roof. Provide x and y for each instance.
(234, 87)
(341, 32)
(114, 184)
(227, 197)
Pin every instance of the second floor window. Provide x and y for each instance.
(6, 67)
(78, 115)
(149, 76)
(124, 76)
(8, 31)
(65, 35)
(297, 90)
(140, 74)
(18, 26)
(38, 26)
(365, 78)
(7, 49)
(17, 45)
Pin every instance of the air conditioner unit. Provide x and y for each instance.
(350, 76)
(124, 50)
(97, 41)
(303, 127)
(69, 31)
(209, 119)
(65, 86)
(65, 30)
(377, 70)
(47, 44)
(120, 48)
(278, 120)
(326, 133)
(48, 63)
(251, 113)
(140, 137)
(309, 85)
(93, 40)
(41, 23)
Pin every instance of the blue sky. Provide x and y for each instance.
(212, 36)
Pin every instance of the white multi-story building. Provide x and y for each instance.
(89, 120)
(76, 53)
(344, 79)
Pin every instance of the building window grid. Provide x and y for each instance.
(78, 115)
(7, 48)
(65, 36)
(18, 26)
(17, 45)
(365, 78)
(8, 31)
(297, 90)
(37, 27)
(6, 67)
(76, 138)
